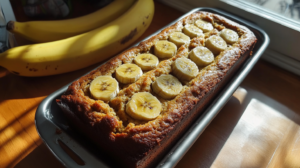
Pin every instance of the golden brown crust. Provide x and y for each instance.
(109, 125)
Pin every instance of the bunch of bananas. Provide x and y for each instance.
(73, 44)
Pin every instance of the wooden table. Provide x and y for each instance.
(259, 126)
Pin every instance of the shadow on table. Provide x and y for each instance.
(209, 150)
(40, 157)
(209, 144)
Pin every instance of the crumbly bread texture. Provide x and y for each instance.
(137, 143)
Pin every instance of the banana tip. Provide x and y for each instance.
(10, 25)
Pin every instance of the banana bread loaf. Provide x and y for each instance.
(135, 106)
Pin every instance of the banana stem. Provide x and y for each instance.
(2, 56)
(10, 26)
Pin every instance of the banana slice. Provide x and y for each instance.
(192, 31)
(164, 49)
(146, 61)
(204, 25)
(167, 86)
(184, 69)
(128, 73)
(229, 36)
(179, 38)
(104, 88)
(143, 106)
(216, 44)
(201, 56)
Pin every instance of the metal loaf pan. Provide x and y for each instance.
(49, 117)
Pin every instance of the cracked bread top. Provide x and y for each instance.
(79, 100)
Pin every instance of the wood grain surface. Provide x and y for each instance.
(259, 126)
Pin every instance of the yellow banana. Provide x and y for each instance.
(82, 50)
(143, 106)
(45, 31)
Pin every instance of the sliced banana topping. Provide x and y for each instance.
(146, 61)
(192, 31)
(143, 106)
(229, 36)
(216, 44)
(164, 49)
(104, 88)
(179, 38)
(167, 86)
(204, 25)
(128, 73)
(201, 56)
(184, 69)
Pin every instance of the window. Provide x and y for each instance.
(287, 8)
